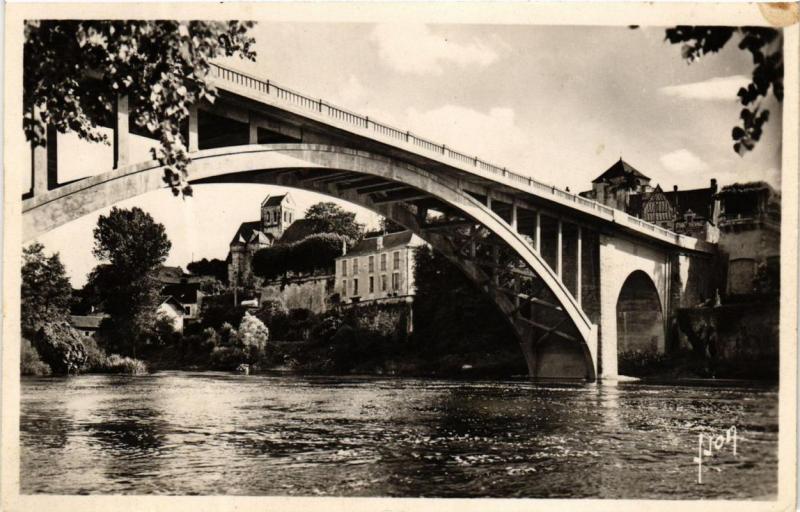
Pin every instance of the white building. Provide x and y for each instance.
(380, 267)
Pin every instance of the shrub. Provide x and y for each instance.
(641, 363)
(228, 335)
(29, 361)
(61, 347)
(253, 333)
(118, 364)
(228, 358)
(96, 357)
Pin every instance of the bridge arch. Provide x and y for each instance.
(556, 337)
(640, 317)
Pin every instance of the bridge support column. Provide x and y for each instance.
(514, 217)
(579, 259)
(194, 133)
(44, 160)
(559, 252)
(253, 139)
(608, 311)
(121, 132)
(538, 234)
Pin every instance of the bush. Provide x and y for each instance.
(253, 334)
(637, 363)
(118, 364)
(228, 358)
(96, 357)
(61, 347)
(29, 361)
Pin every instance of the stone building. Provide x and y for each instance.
(378, 268)
(277, 214)
(750, 242)
(691, 212)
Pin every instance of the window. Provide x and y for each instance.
(344, 267)
(371, 284)
(383, 261)
(187, 310)
(355, 266)
(355, 286)
(275, 217)
(344, 287)
(396, 281)
(383, 282)
(372, 264)
(285, 216)
(396, 257)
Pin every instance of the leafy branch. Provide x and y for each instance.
(766, 47)
(75, 70)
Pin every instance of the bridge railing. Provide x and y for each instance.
(346, 116)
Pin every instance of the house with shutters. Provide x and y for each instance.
(378, 268)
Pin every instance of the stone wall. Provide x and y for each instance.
(739, 339)
(307, 293)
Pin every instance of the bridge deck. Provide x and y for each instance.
(320, 111)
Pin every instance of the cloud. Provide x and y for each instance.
(683, 161)
(714, 89)
(493, 136)
(352, 92)
(415, 49)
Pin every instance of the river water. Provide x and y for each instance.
(214, 433)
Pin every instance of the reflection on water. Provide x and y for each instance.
(209, 433)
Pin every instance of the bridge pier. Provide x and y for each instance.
(194, 132)
(44, 160)
(121, 132)
(560, 251)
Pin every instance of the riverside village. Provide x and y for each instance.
(407, 261)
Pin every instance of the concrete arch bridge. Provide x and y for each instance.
(574, 278)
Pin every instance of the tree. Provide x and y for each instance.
(46, 292)
(766, 47)
(134, 246)
(131, 241)
(312, 253)
(388, 226)
(450, 313)
(253, 334)
(331, 218)
(74, 70)
(215, 267)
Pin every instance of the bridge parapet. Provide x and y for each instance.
(266, 91)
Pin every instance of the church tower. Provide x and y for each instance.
(277, 214)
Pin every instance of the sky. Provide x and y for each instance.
(561, 104)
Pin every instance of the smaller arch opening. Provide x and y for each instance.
(640, 323)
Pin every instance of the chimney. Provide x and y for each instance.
(344, 247)
(379, 243)
(713, 185)
(675, 201)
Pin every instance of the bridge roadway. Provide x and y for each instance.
(550, 259)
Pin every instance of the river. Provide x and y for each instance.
(215, 433)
